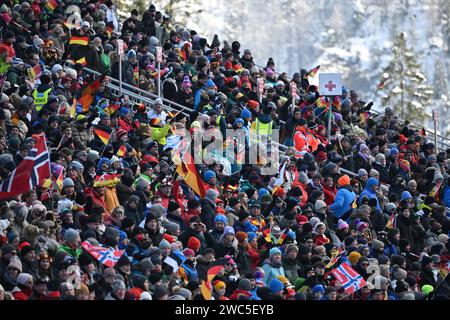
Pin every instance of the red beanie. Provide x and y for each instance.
(241, 236)
(194, 244)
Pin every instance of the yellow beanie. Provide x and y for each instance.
(354, 257)
(219, 285)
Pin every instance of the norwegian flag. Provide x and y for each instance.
(105, 255)
(349, 279)
(30, 172)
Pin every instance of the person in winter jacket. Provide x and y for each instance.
(370, 191)
(209, 208)
(80, 134)
(220, 222)
(343, 203)
(272, 266)
(227, 244)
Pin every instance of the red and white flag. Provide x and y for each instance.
(31, 171)
(107, 256)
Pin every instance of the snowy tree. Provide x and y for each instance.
(442, 100)
(406, 90)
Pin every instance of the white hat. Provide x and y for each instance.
(145, 296)
(56, 68)
(86, 24)
(3, 98)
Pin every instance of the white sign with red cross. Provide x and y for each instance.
(330, 84)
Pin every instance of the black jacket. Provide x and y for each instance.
(208, 213)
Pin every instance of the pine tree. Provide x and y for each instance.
(406, 90)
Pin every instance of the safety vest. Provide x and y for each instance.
(40, 98)
(261, 129)
(312, 141)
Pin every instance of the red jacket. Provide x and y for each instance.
(254, 256)
(330, 194)
(23, 294)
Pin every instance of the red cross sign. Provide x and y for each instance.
(330, 84)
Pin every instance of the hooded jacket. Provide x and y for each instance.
(343, 201)
(367, 192)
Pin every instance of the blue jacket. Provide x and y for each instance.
(369, 193)
(447, 196)
(343, 201)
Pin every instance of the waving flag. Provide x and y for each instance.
(175, 260)
(391, 222)
(122, 151)
(280, 180)
(57, 176)
(188, 171)
(335, 256)
(31, 172)
(434, 193)
(105, 255)
(87, 94)
(313, 72)
(349, 279)
(106, 180)
(82, 41)
(103, 135)
(35, 72)
(218, 266)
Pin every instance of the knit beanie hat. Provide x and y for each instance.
(209, 175)
(319, 205)
(342, 224)
(70, 235)
(219, 285)
(194, 244)
(241, 236)
(164, 244)
(276, 285)
(344, 181)
(354, 257)
(377, 244)
(251, 236)
(274, 251)
(211, 194)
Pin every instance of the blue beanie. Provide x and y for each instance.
(262, 192)
(274, 251)
(251, 236)
(101, 161)
(209, 175)
(291, 234)
(122, 235)
(239, 120)
(123, 111)
(393, 151)
(246, 114)
(228, 230)
(276, 285)
(371, 182)
(318, 288)
(221, 218)
(406, 195)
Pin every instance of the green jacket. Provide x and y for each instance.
(72, 252)
(159, 134)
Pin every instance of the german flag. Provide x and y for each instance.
(81, 61)
(391, 222)
(282, 236)
(82, 41)
(313, 72)
(87, 94)
(217, 267)
(103, 135)
(122, 151)
(109, 31)
(106, 180)
(35, 72)
(52, 5)
(188, 171)
(112, 108)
